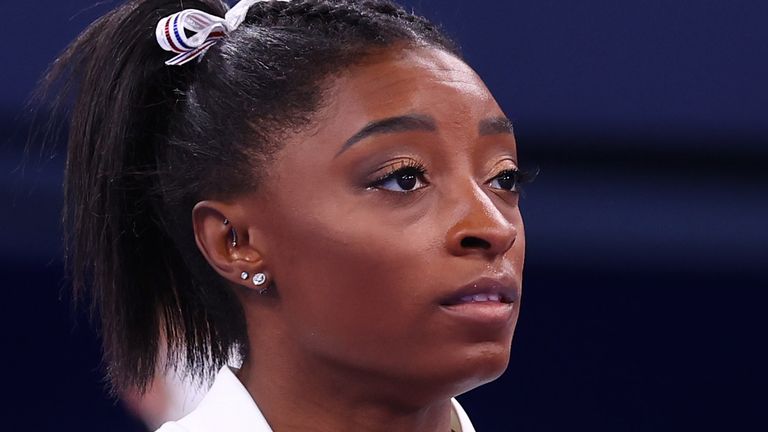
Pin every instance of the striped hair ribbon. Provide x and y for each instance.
(171, 31)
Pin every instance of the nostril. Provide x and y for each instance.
(474, 243)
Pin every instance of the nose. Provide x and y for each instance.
(481, 227)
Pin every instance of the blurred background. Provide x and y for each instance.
(647, 269)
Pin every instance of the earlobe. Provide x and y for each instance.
(224, 240)
(259, 280)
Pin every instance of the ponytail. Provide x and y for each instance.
(118, 249)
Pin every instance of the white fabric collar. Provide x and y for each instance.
(229, 407)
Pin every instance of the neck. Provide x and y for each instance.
(297, 393)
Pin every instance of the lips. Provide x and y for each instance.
(502, 290)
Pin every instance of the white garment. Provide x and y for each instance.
(229, 407)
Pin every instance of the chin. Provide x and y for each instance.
(482, 364)
(469, 367)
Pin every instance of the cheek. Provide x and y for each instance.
(343, 278)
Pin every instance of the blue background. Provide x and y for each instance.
(647, 268)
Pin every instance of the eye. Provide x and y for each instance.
(404, 179)
(507, 180)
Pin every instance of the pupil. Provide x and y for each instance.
(406, 181)
(507, 181)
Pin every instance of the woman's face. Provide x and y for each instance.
(392, 229)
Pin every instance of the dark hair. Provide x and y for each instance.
(148, 141)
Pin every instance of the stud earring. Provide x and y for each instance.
(259, 279)
(244, 275)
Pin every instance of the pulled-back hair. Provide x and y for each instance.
(148, 141)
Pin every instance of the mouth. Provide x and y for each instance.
(486, 301)
(503, 291)
(486, 297)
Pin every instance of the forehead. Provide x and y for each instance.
(412, 80)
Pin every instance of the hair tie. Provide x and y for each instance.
(171, 30)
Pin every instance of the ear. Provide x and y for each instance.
(226, 241)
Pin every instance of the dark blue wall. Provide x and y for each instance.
(647, 271)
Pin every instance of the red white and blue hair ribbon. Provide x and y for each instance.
(171, 31)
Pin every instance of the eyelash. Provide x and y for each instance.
(418, 170)
(521, 178)
(412, 167)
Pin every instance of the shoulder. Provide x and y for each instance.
(226, 407)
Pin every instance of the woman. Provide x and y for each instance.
(322, 188)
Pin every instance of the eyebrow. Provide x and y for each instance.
(421, 122)
(495, 126)
(404, 123)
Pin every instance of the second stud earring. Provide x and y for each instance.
(259, 279)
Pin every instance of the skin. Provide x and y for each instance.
(352, 336)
